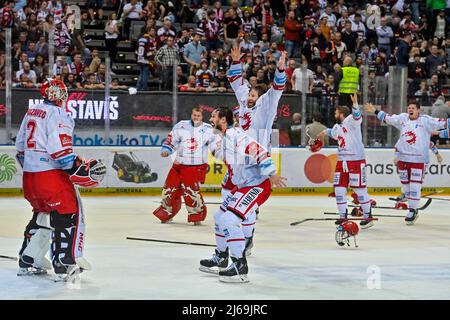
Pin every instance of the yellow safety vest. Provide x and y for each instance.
(350, 80)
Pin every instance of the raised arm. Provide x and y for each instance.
(391, 119)
(239, 86)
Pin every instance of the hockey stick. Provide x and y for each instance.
(425, 196)
(374, 215)
(442, 199)
(174, 242)
(8, 257)
(206, 202)
(394, 208)
(329, 219)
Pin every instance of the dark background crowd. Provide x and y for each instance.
(144, 40)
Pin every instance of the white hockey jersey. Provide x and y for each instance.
(415, 135)
(258, 121)
(349, 137)
(249, 162)
(45, 138)
(189, 142)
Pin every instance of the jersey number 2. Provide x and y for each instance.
(31, 143)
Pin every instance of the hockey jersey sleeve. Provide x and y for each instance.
(21, 136)
(172, 141)
(437, 124)
(59, 139)
(392, 119)
(257, 154)
(271, 98)
(215, 146)
(238, 83)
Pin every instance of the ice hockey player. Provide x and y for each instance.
(351, 165)
(253, 172)
(190, 140)
(50, 170)
(257, 111)
(412, 146)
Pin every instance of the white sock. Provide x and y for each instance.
(221, 242)
(233, 234)
(248, 225)
(341, 200)
(414, 195)
(364, 200)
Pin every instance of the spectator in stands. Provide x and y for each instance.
(434, 60)
(440, 109)
(26, 70)
(292, 65)
(302, 77)
(273, 53)
(190, 85)
(166, 58)
(385, 35)
(82, 79)
(94, 60)
(221, 81)
(115, 85)
(194, 52)
(417, 69)
(210, 30)
(295, 130)
(202, 12)
(435, 86)
(232, 26)
(92, 84)
(246, 44)
(145, 53)
(181, 77)
(248, 23)
(350, 38)
(183, 40)
(112, 34)
(403, 48)
(77, 66)
(292, 34)
(100, 75)
(42, 47)
(218, 10)
(131, 11)
(24, 82)
(261, 77)
(96, 5)
(204, 77)
(165, 31)
(70, 81)
(40, 67)
(423, 94)
(185, 14)
(62, 39)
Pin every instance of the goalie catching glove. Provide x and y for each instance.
(87, 173)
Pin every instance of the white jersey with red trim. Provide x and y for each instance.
(190, 142)
(249, 162)
(258, 121)
(349, 137)
(45, 138)
(414, 141)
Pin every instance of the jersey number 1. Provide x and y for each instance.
(31, 143)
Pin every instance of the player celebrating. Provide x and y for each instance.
(50, 168)
(351, 167)
(412, 146)
(190, 138)
(257, 111)
(253, 173)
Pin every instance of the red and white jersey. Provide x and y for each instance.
(414, 141)
(45, 137)
(349, 137)
(258, 121)
(190, 142)
(247, 161)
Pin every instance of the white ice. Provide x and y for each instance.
(288, 262)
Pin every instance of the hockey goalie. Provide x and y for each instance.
(51, 172)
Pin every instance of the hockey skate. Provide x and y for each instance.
(411, 217)
(341, 219)
(217, 263)
(236, 272)
(71, 275)
(365, 224)
(29, 267)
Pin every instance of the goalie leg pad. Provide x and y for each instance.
(39, 244)
(162, 214)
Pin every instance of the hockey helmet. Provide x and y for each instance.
(345, 231)
(55, 91)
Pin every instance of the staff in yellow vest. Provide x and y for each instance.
(348, 82)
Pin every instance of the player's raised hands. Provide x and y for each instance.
(278, 181)
(282, 61)
(369, 107)
(236, 54)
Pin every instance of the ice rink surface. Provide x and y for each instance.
(393, 261)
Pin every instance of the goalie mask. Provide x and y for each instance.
(55, 91)
(88, 173)
(345, 231)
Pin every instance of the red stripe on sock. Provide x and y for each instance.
(219, 235)
(250, 224)
(231, 240)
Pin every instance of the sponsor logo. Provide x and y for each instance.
(250, 197)
(410, 137)
(192, 145)
(54, 204)
(80, 241)
(66, 140)
(119, 140)
(341, 142)
(246, 121)
(319, 168)
(7, 168)
(37, 113)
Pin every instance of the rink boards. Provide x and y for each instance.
(141, 170)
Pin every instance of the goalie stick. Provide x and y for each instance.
(393, 208)
(174, 242)
(374, 215)
(8, 257)
(329, 219)
(205, 202)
